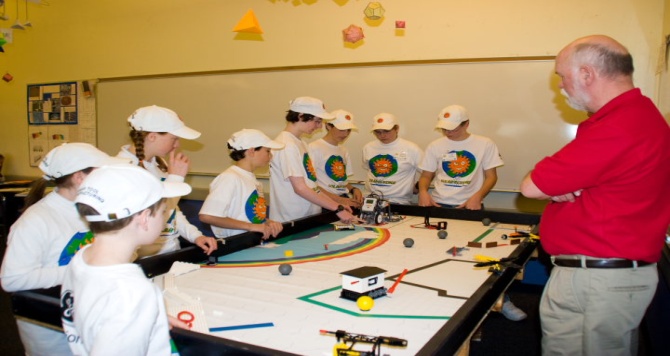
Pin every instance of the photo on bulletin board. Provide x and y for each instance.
(38, 143)
(52, 104)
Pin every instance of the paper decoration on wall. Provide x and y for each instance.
(7, 34)
(400, 24)
(7, 77)
(87, 88)
(248, 24)
(3, 41)
(352, 34)
(374, 11)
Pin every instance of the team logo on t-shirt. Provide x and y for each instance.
(78, 240)
(383, 165)
(462, 166)
(171, 224)
(255, 208)
(309, 167)
(336, 169)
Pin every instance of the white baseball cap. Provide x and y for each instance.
(73, 157)
(384, 121)
(121, 190)
(451, 116)
(309, 105)
(251, 138)
(344, 120)
(159, 119)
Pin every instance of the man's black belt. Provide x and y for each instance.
(594, 263)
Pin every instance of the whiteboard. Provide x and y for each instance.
(515, 103)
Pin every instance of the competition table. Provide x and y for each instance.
(246, 306)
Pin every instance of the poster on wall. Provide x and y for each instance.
(52, 104)
(59, 113)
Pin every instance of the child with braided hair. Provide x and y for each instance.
(155, 132)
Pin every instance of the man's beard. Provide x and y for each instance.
(573, 101)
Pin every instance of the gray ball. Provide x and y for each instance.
(285, 269)
(408, 242)
(486, 221)
(442, 234)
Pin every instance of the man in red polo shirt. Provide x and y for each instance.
(606, 222)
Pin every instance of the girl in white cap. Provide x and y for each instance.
(155, 132)
(236, 202)
(48, 234)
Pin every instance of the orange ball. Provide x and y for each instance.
(365, 303)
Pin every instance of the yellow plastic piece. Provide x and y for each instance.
(340, 346)
(482, 258)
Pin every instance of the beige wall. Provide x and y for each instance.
(84, 39)
(663, 81)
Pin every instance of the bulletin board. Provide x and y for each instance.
(52, 104)
(58, 113)
(514, 102)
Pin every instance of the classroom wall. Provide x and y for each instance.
(662, 73)
(82, 39)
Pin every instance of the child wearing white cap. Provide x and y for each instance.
(155, 132)
(294, 193)
(391, 162)
(332, 161)
(462, 166)
(108, 306)
(47, 235)
(236, 202)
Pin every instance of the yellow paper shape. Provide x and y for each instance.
(248, 23)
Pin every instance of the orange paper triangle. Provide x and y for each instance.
(248, 23)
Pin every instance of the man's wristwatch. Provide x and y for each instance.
(339, 208)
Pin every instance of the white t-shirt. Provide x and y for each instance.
(40, 245)
(332, 164)
(292, 161)
(459, 167)
(392, 169)
(176, 223)
(113, 310)
(235, 194)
